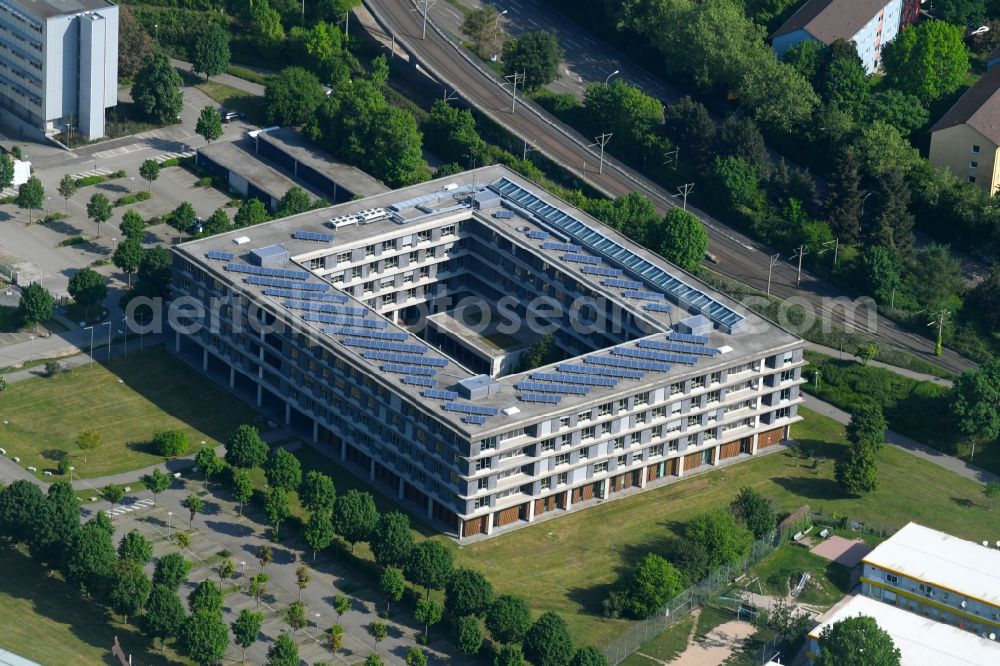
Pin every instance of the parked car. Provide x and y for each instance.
(228, 115)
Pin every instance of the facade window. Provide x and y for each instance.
(414, 257)
(588, 433)
(694, 421)
(481, 464)
(640, 418)
(583, 416)
(584, 453)
(562, 478)
(973, 165)
(697, 383)
(656, 450)
(714, 397)
(605, 429)
(783, 413)
(891, 578)
(548, 445)
(972, 179)
(672, 446)
(675, 389)
(715, 378)
(483, 483)
(482, 502)
(622, 460)
(564, 422)
(388, 245)
(369, 250)
(641, 399)
(562, 459)
(787, 376)
(975, 149)
(619, 444)
(545, 483)
(448, 231)
(604, 409)
(926, 589)
(786, 394)
(601, 467)
(391, 262)
(344, 258)
(633, 438)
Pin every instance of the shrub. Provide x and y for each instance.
(89, 180)
(75, 240)
(169, 443)
(130, 199)
(118, 174)
(205, 181)
(172, 162)
(52, 368)
(63, 466)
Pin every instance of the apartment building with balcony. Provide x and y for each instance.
(320, 320)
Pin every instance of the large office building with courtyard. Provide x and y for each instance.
(483, 351)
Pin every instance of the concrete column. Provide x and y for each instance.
(531, 511)
(430, 508)
(716, 452)
(569, 500)
(643, 476)
(260, 395)
(232, 377)
(315, 431)
(489, 524)
(371, 470)
(343, 450)
(204, 359)
(680, 466)
(288, 413)
(177, 342)
(402, 489)
(753, 445)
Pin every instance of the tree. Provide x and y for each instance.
(20, 503)
(509, 655)
(164, 614)
(373, 660)
(30, 195)
(154, 271)
(91, 560)
(251, 212)
(245, 449)
(265, 555)
(150, 171)
(169, 443)
(6, 171)
(392, 540)
(508, 619)
(156, 482)
(928, 61)
(246, 628)
(283, 470)
(975, 401)
(902, 110)
(132, 226)
(208, 463)
(991, 489)
(134, 43)
(67, 188)
(283, 652)
(856, 640)
(467, 593)
(867, 425)
(635, 119)
(430, 565)
(113, 493)
(378, 631)
(52, 525)
(182, 217)
(209, 125)
(844, 200)
(207, 597)
(355, 517)
(755, 511)
(842, 79)
(482, 25)
(210, 51)
(129, 588)
(193, 504)
(687, 122)
(171, 570)
(536, 54)
(547, 643)
(468, 635)
(393, 584)
(204, 637)
(416, 657)
(293, 202)
(302, 578)
(322, 46)
(335, 635)
(653, 583)
(722, 537)
(775, 95)
(88, 287)
(292, 96)
(135, 547)
(685, 239)
(736, 186)
(318, 492)
(318, 532)
(856, 470)
(295, 615)
(87, 441)
(265, 26)
(157, 89)
(985, 299)
(588, 656)
(277, 509)
(36, 305)
(216, 223)
(739, 136)
(258, 587)
(341, 605)
(428, 612)
(226, 571)
(128, 257)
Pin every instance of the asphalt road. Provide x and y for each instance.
(741, 258)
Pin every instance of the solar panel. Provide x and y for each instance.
(220, 256)
(395, 357)
(572, 379)
(325, 318)
(313, 236)
(687, 337)
(356, 331)
(566, 247)
(503, 214)
(307, 295)
(315, 306)
(416, 380)
(617, 373)
(384, 345)
(287, 284)
(267, 272)
(538, 235)
(542, 387)
(540, 397)
(667, 357)
(657, 307)
(581, 258)
(403, 369)
(465, 408)
(631, 364)
(645, 295)
(623, 284)
(679, 347)
(439, 394)
(601, 270)
(474, 419)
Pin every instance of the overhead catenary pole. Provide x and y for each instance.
(801, 252)
(683, 191)
(773, 260)
(423, 35)
(528, 149)
(940, 317)
(670, 158)
(602, 141)
(514, 79)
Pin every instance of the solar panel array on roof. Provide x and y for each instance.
(631, 364)
(325, 318)
(540, 397)
(403, 369)
(622, 284)
(566, 247)
(542, 387)
(396, 357)
(474, 419)
(305, 294)
(220, 256)
(439, 394)
(287, 284)
(356, 331)
(332, 308)
(318, 236)
(601, 270)
(465, 408)
(416, 380)
(581, 258)
(600, 371)
(285, 273)
(503, 214)
(537, 235)
(687, 337)
(645, 295)
(679, 347)
(598, 242)
(667, 357)
(573, 379)
(657, 307)
(384, 345)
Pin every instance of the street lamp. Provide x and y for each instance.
(71, 468)
(108, 324)
(91, 329)
(125, 337)
(114, 245)
(131, 185)
(243, 572)
(31, 352)
(610, 75)
(496, 25)
(169, 513)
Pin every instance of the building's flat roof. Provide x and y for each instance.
(51, 8)
(306, 152)
(238, 158)
(921, 641)
(940, 559)
(757, 337)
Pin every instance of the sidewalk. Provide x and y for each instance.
(227, 79)
(919, 376)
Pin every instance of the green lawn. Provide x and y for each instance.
(779, 572)
(249, 105)
(125, 402)
(44, 621)
(666, 646)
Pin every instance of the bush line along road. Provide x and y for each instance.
(740, 257)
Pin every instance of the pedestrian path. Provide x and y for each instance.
(122, 509)
(163, 157)
(99, 171)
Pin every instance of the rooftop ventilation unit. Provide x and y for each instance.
(272, 255)
(697, 325)
(478, 387)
